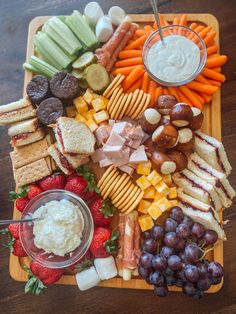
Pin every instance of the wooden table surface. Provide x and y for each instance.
(14, 19)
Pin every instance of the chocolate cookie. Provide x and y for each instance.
(38, 89)
(64, 86)
(50, 110)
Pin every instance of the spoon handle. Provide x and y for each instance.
(11, 221)
(154, 4)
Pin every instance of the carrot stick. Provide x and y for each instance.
(183, 20)
(207, 98)
(193, 26)
(140, 32)
(158, 92)
(218, 69)
(199, 97)
(165, 91)
(199, 87)
(208, 73)
(176, 21)
(135, 86)
(204, 32)
(201, 79)
(215, 83)
(183, 98)
(133, 76)
(136, 43)
(209, 38)
(151, 91)
(197, 30)
(172, 91)
(215, 62)
(145, 82)
(128, 62)
(124, 70)
(126, 54)
(211, 49)
(188, 93)
(148, 28)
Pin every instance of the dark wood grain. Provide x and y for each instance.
(14, 19)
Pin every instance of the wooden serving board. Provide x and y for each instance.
(211, 126)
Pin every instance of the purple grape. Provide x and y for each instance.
(202, 269)
(159, 263)
(176, 213)
(156, 278)
(161, 291)
(170, 225)
(187, 221)
(192, 253)
(149, 245)
(146, 234)
(193, 238)
(189, 289)
(171, 239)
(157, 232)
(180, 275)
(143, 272)
(170, 280)
(197, 230)
(215, 280)
(180, 245)
(198, 294)
(204, 283)
(215, 269)
(146, 260)
(174, 262)
(210, 237)
(167, 251)
(191, 273)
(182, 256)
(179, 283)
(169, 272)
(183, 231)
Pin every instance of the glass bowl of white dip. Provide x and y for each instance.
(179, 60)
(63, 232)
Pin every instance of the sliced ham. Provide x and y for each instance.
(105, 162)
(121, 128)
(129, 260)
(98, 155)
(115, 140)
(138, 156)
(128, 169)
(102, 134)
(120, 253)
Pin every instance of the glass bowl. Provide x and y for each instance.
(168, 31)
(26, 230)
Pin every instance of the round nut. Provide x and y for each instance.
(179, 158)
(197, 119)
(185, 139)
(149, 120)
(181, 115)
(165, 103)
(162, 163)
(165, 136)
(165, 119)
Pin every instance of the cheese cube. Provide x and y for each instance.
(101, 116)
(164, 204)
(174, 203)
(162, 188)
(143, 182)
(172, 193)
(80, 105)
(80, 118)
(92, 125)
(158, 196)
(167, 179)
(143, 206)
(105, 100)
(89, 114)
(70, 111)
(154, 177)
(154, 211)
(145, 222)
(149, 192)
(144, 168)
(88, 96)
(98, 104)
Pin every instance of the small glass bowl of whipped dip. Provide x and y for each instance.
(63, 232)
(179, 60)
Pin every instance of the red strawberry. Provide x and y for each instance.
(14, 230)
(21, 198)
(84, 263)
(21, 202)
(17, 249)
(55, 181)
(102, 211)
(40, 277)
(71, 176)
(104, 243)
(33, 190)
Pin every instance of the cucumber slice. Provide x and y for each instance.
(80, 76)
(83, 61)
(97, 77)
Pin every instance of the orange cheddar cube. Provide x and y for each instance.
(174, 203)
(154, 177)
(92, 125)
(143, 183)
(88, 96)
(164, 204)
(80, 105)
(167, 179)
(154, 211)
(143, 206)
(149, 193)
(144, 168)
(158, 196)
(71, 111)
(145, 222)
(162, 188)
(101, 116)
(172, 193)
(89, 114)
(98, 104)
(80, 118)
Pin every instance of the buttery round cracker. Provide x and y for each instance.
(118, 109)
(132, 201)
(135, 204)
(113, 97)
(127, 196)
(126, 105)
(107, 184)
(117, 94)
(110, 176)
(116, 105)
(145, 105)
(114, 84)
(110, 186)
(136, 104)
(120, 192)
(123, 177)
(100, 182)
(133, 100)
(140, 107)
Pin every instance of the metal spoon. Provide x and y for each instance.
(154, 4)
(11, 221)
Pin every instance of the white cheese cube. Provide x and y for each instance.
(106, 267)
(87, 278)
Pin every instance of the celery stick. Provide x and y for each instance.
(39, 66)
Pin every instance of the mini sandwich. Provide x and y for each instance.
(201, 213)
(218, 179)
(74, 137)
(25, 132)
(212, 151)
(16, 111)
(66, 162)
(197, 188)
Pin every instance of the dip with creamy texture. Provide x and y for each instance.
(174, 61)
(60, 230)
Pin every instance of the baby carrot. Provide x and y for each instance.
(201, 79)
(218, 69)
(151, 91)
(183, 20)
(193, 26)
(208, 73)
(128, 62)
(183, 98)
(215, 83)
(199, 87)
(158, 92)
(135, 86)
(140, 32)
(176, 21)
(154, 25)
(165, 91)
(126, 54)
(205, 31)
(209, 38)
(148, 28)
(211, 49)
(215, 62)
(199, 97)
(136, 43)
(197, 30)
(172, 91)
(133, 76)
(145, 82)
(188, 93)
(124, 70)
(207, 98)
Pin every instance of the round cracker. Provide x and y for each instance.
(115, 105)
(100, 182)
(128, 195)
(111, 175)
(115, 99)
(110, 186)
(123, 188)
(124, 177)
(117, 110)
(131, 201)
(122, 192)
(133, 100)
(126, 105)
(118, 84)
(113, 85)
(140, 107)
(135, 203)
(145, 105)
(136, 104)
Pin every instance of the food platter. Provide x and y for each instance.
(211, 126)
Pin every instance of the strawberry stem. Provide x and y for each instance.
(111, 244)
(14, 195)
(88, 175)
(108, 209)
(33, 285)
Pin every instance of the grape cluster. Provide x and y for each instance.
(173, 254)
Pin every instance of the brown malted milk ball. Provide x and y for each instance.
(179, 158)
(165, 103)
(165, 136)
(165, 119)
(181, 115)
(197, 119)
(185, 139)
(162, 163)
(149, 120)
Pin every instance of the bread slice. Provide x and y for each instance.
(27, 138)
(26, 126)
(66, 162)
(74, 137)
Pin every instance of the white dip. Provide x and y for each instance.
(175, 61)
(60, 230)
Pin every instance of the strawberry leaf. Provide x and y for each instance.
(33, 285)
(84, 265)
(14, 195)
(11, 239)
(111, 244)
(88, 175)
(108, 209)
